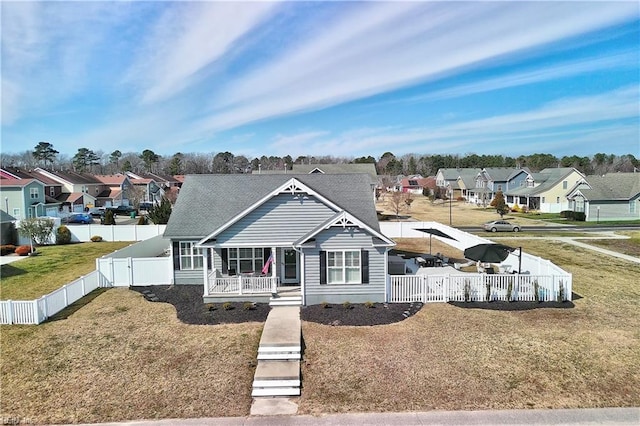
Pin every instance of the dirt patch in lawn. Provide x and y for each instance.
(190, 309)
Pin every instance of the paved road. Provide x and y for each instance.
(598, 416)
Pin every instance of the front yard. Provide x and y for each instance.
(120, 357)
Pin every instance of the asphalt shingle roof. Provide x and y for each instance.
(613, 186)
(207, 202)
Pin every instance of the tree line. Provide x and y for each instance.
(85, 160)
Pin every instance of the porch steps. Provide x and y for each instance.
(279, 353)
(285, 301)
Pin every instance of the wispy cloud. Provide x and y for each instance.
(560, 126)
(382, 46)
(190, 37)
(627, 59)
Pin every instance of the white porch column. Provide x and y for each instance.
(274, 272)
(205, 270)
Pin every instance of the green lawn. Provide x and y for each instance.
(32, 277)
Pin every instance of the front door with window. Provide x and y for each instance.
(290, 273)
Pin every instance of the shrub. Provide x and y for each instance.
(346, 304)
(38, 229)
(516, 208)
(142, 220)
(96, 238)
(536, 291)
(248, 306)
(369, 304)
(63, 235)
(579, 216)
(566, 214)
(324, 305)
(7, 249)
(227, 306)
(467, 291)
(24, 250)
(109, 218)
(460, 198)
(509, 290)
(211, 307)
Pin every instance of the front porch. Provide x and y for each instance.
(244, 287)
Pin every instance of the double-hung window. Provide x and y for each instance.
(34, 193)
(246, 260)
(190, 256)
(343, 267)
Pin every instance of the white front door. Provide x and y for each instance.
(290, 272)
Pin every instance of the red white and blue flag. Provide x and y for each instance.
(265, 268)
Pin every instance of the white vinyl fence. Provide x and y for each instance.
(129, 271)
(38, 310)
(478, 288)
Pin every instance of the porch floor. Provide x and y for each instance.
(223, 294)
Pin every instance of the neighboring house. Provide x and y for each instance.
(317, 231)
(52, 188)
(153, 192)
(466, 184)
(614, 196)
(25, 198)
(417, 184)
(162, 180)
(79, 190)
(329, 169)
(117, 192)
(487, 183)
(7, 228)
(450, 180)
(545, 191)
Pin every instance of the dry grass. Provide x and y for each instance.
(121, 358)
(630, 247)
(462, 214)
(53, 267)
(453, 358)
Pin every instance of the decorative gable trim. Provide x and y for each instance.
(293, 186)
(316, 170)
(345, 220)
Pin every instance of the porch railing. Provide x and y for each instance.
(241, 284)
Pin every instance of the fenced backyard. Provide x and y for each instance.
(479, 288)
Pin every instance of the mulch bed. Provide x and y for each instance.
(187, 299)
(359, 314)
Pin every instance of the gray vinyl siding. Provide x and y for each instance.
(337, 238)
(281, 220)
(188, 276)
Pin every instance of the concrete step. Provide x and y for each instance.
(279, 356)
(286, 301)
(276, 384)
(293, 391)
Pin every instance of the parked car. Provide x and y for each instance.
(500, 225)
(79, 218)
(146, 205)
(96, 211)
(122, 210)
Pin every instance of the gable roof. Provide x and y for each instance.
(74, 178)
(17, 183)
(112, 180)
(613, 186)
(499, 174)
(30, 174)
(6, 217)
(209, 202)
(546, 179)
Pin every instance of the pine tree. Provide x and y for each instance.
(160, 213)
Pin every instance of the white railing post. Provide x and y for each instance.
(36, 313)
(9, 312)
(66, 296)
(130, 275)
(239, 284)
(82, 285)
(45, 307)
(445, 288)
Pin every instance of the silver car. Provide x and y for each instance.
(500, 225)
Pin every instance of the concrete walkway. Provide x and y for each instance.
(277, 376)
(568, 417)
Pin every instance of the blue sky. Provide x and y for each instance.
(322, 78)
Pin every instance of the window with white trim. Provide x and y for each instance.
(190, 256)
(343, 267)
(52, 191)
(246, 260)
(34, 193)
(16, 213)
(565, 184)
